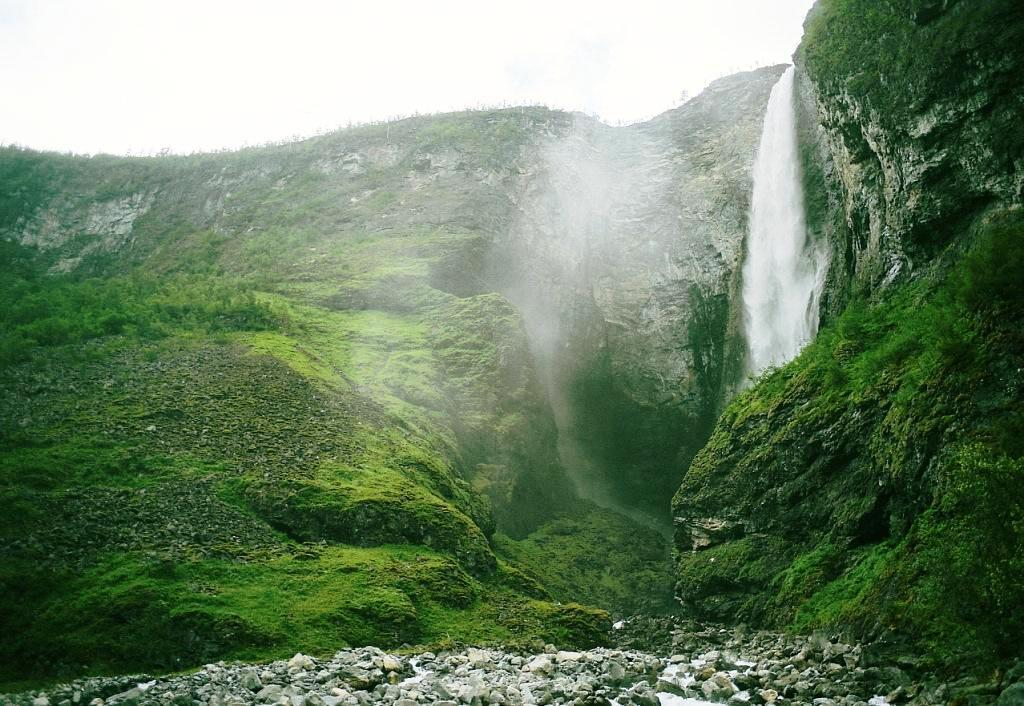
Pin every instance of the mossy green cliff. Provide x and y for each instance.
(874, 485)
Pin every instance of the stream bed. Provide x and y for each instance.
(683, 665)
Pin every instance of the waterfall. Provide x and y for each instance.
(783, 273)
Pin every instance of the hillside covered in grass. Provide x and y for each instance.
(360, 389)
(221, 445)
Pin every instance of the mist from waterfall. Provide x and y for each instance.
(783, 274)
(573, 210)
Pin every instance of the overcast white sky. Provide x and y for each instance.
(142, 75)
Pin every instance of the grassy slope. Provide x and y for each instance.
(158, 495)
(598, 557)
(879, 476)
(271, 443)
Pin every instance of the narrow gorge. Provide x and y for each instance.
(513, 406)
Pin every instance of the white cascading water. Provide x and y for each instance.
(783, 274)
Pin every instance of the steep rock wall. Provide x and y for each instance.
(623, 257)
(846, 490)
(911, 124)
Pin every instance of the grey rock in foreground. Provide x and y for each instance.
(709, 665)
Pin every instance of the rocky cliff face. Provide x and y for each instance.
(908, 143)
(622, 256)
(842, 490)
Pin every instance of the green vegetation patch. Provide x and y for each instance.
(596, 556)
(905, 55)
(372, 507)
(49, 312)
(136, 611)
(262, 420)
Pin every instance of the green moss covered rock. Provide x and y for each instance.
(858, 487)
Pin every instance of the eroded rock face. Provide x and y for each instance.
(708, 531)
(897, 179)
(623, 258)
(97, 227)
